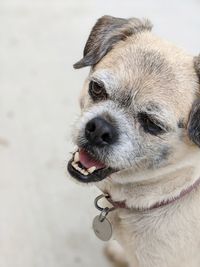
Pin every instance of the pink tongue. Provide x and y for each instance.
(87, 161)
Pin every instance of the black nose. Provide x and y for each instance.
(99, 132)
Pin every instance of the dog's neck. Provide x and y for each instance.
(184, 192)
(169, 185)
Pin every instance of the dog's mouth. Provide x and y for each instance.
(86, 168)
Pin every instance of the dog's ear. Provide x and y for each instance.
(105, 34)
(194, 123)
(194, 119)
(197, 65)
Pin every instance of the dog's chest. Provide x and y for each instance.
(164, 238)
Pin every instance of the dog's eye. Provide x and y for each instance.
(97, 91)
(149, 125)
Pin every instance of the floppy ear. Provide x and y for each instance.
(105, 34)
(197, 65)
(194, 120)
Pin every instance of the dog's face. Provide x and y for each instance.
(138, 102)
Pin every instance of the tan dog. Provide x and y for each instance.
(139, 137)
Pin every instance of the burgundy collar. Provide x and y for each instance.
(122, 204)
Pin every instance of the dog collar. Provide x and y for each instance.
(102, 226)
(122, 204)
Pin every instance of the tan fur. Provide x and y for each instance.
(179, 60)
(167, 236)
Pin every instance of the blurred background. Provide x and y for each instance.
(45, 218)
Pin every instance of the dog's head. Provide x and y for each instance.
(140, 107)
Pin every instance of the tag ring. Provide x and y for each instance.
(100, 208)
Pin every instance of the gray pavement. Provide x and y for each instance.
(45, 218)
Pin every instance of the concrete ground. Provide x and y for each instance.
(45, 218)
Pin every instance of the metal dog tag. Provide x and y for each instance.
(102, 228)
(101, 225)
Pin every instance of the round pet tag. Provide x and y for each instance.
(102, 228)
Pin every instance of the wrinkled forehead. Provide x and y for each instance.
(143, 77)
(134, 69)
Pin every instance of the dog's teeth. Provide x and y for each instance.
(76, 157)
(84, 172)
(81, 171)
(91, 169)
(75, 165)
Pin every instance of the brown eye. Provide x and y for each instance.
(97, 91)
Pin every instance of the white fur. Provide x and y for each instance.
(164, 237)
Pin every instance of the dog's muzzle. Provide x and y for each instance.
(85, 165)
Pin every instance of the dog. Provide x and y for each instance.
(138, 139)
